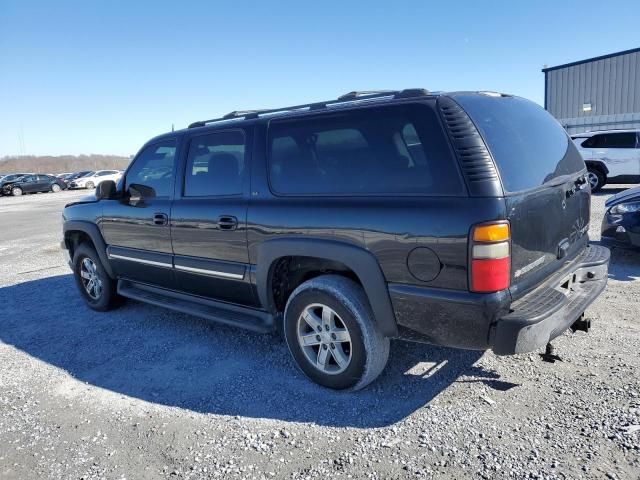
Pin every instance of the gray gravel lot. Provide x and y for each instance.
(146, 393)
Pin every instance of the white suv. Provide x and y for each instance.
(612, 156)
(99, 176)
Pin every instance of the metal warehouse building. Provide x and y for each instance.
(600, 93)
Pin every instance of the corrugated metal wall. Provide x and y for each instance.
(611, 85)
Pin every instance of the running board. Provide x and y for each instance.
(234, 315)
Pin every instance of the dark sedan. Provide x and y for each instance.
(33, 184)
(621, 220)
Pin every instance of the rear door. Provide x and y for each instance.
(542, 173)
(209, 218)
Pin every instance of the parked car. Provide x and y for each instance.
(94, 179)
(11, 178)
(458, 219)
(612, 156)
(76, 175)
(621, 221)
(33, 184)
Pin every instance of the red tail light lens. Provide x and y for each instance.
(490, 263)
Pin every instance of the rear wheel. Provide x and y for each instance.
(16, 191)
(55, 188)
(96, 287)
(332, 335)
(596, 178)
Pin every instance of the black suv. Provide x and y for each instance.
(457, 219)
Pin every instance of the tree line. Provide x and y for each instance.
(61, 164)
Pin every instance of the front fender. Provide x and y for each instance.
(92, 230)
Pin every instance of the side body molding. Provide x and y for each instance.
(360, 261)
(92, 230)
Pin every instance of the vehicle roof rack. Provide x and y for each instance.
(365, 93)
(343, 100)
(242, 113)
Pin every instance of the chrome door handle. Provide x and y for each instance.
(160, 219)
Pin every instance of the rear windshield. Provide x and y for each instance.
(387, 151)
(528, 145)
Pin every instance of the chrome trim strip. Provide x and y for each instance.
(139, 260)
(212, 273)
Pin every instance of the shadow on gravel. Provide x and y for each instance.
(178, 360)
(624, 264)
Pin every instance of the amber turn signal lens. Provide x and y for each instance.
(491, 233)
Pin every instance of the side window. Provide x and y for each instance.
(384, 150)
(622, 140)
(153, 168)
(215, 165)
(611, 140)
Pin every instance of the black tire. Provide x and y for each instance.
(596, 173)
(55, 188)
(16, 191)
(368, 348)
(108, 299)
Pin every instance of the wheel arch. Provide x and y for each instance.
(361, 262)
(77, 229)
(597, 164)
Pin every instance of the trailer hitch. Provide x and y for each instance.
(581, 324)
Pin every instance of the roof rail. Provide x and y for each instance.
(364, 93)
(343, 100)
(243, 113)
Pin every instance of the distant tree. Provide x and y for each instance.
(62, 163)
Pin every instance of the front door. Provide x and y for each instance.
(136, 226)
(209, 216)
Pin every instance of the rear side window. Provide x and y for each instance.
(390, 150)
(611, 140)
(215, 165)
(529, 146)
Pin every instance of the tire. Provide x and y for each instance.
(107, 297)
(596, 178)
(90, 185)
(55, 188)
(16, 191)
(347, 308)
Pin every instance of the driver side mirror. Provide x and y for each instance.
(106, 190)
(138, 192)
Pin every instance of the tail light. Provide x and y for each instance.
(490, 258)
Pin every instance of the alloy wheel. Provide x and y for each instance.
(90, 278)
(593, 180)
(324, 338)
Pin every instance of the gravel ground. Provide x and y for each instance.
(145, 393)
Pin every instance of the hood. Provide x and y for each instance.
(85, 199)
(11, 182)
(632, 194)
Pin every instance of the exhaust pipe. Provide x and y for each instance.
(582, 324)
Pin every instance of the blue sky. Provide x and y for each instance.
(104, 77)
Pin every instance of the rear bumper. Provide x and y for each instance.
(545, 313)
(462, 319)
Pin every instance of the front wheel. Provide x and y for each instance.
(90, 185)
(332, 334)
(16, 191)
(55, 188)
(96, 287)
